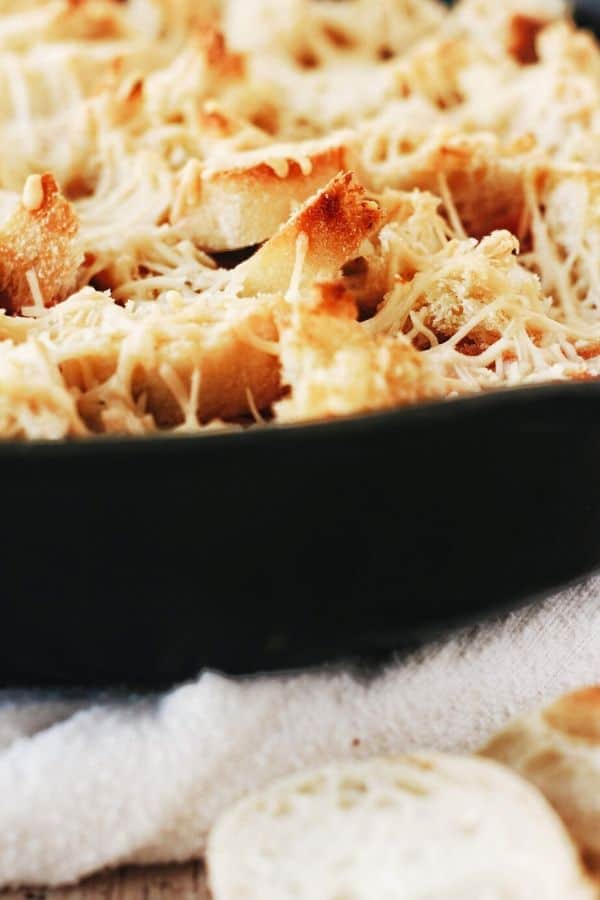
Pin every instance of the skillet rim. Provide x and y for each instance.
(504, 401)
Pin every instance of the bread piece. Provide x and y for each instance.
(469, 289)
(61, 20)
(39, 248)
(315, 243)
(486, 185)
(510, 27)
(411, 232)
(333, 367)
(564, 224)
(314, 34)
(165, 365)
(243, 200)
(482, 317)
(204, 69)
(321, 92)
(315, 102)
(237, 376)
(476, 176)
(34, 401)
(558, 750)
(441, 827)
(557, 100)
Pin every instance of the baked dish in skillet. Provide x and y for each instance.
(416, 192)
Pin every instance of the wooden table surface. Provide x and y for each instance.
(179, 882)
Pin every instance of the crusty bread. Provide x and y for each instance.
(557, 99)
(194, 361)
(486, 185)
(410, 233)
(464, 283)
(314, 34)
(244, 200)
(332, 366)
(481, 177)
(314, 244)
(558, 750)
(39, 242)
(34, 401)
(432, 826)
(89, 21)
(238, 373)
(510, 27)
(564, 221)
(176, 367)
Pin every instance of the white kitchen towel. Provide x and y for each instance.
(84, 785)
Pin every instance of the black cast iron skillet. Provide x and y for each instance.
(142, 561)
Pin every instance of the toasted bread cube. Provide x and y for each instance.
(244, 203)
(314, 244)
(38, 245)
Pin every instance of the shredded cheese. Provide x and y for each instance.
(37, 308)
(465, 255)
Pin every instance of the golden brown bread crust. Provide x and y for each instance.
(339, 219)
(237, 374)
(40, 240)
(241, 207)
(522, 36)
(320, 238)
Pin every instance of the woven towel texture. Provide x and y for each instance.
(95, 782)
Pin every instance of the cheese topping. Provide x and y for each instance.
(151, 147)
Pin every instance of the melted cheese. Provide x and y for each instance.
(178, 128)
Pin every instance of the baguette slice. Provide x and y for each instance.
(430, 827)
(558, 750)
